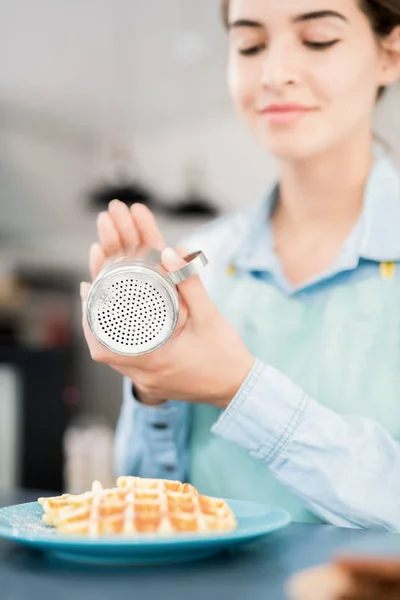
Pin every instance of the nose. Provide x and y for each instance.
(280, 66)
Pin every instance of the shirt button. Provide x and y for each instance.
(169, 468)
(160, 426)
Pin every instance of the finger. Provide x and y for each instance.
(108, 235)
(97, 259)
(84, 290)
(192, 290)
(149, 233)
(182, 251)
(123, 222)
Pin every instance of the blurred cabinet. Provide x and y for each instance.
(34, 396)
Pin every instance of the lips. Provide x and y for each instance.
(285, 113)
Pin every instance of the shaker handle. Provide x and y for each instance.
(194, 263)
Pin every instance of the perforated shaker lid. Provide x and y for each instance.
(132, 310)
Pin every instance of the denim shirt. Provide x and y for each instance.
(314, 427)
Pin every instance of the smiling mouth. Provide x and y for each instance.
(281, 114)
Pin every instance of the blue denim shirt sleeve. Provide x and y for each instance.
(152, 441)
(346, 469)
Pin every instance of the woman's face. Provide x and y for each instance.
(304, 73)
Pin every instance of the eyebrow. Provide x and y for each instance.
(319, 14)
(244, 23)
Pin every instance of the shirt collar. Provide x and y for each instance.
(375, 237)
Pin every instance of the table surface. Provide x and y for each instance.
(257, 572)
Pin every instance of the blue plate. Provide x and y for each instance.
(23, 524)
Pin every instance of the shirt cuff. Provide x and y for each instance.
(264, 414)
(158, 416)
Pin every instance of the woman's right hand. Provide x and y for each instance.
(205, 360)
(122, 231)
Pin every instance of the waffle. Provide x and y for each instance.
(138, 506)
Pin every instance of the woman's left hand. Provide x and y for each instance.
(204, 361)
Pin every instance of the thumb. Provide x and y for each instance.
(191, 290)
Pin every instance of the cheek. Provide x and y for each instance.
(243, 82)
(344, 79)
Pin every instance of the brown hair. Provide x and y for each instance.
(383, 15)
(225, 11)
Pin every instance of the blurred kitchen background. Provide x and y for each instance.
(101, 99)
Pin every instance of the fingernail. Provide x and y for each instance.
(102, 214)
(173, 259)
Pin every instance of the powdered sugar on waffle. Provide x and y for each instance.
(138, 506)
(94, 512)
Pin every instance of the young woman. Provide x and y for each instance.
(282, 381)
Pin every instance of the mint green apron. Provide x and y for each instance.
(339, 343)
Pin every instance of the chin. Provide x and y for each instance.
(296, 143)
(291, 147)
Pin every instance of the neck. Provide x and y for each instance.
(326, 190)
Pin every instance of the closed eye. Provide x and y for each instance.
(321, 45)
(251, 50)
